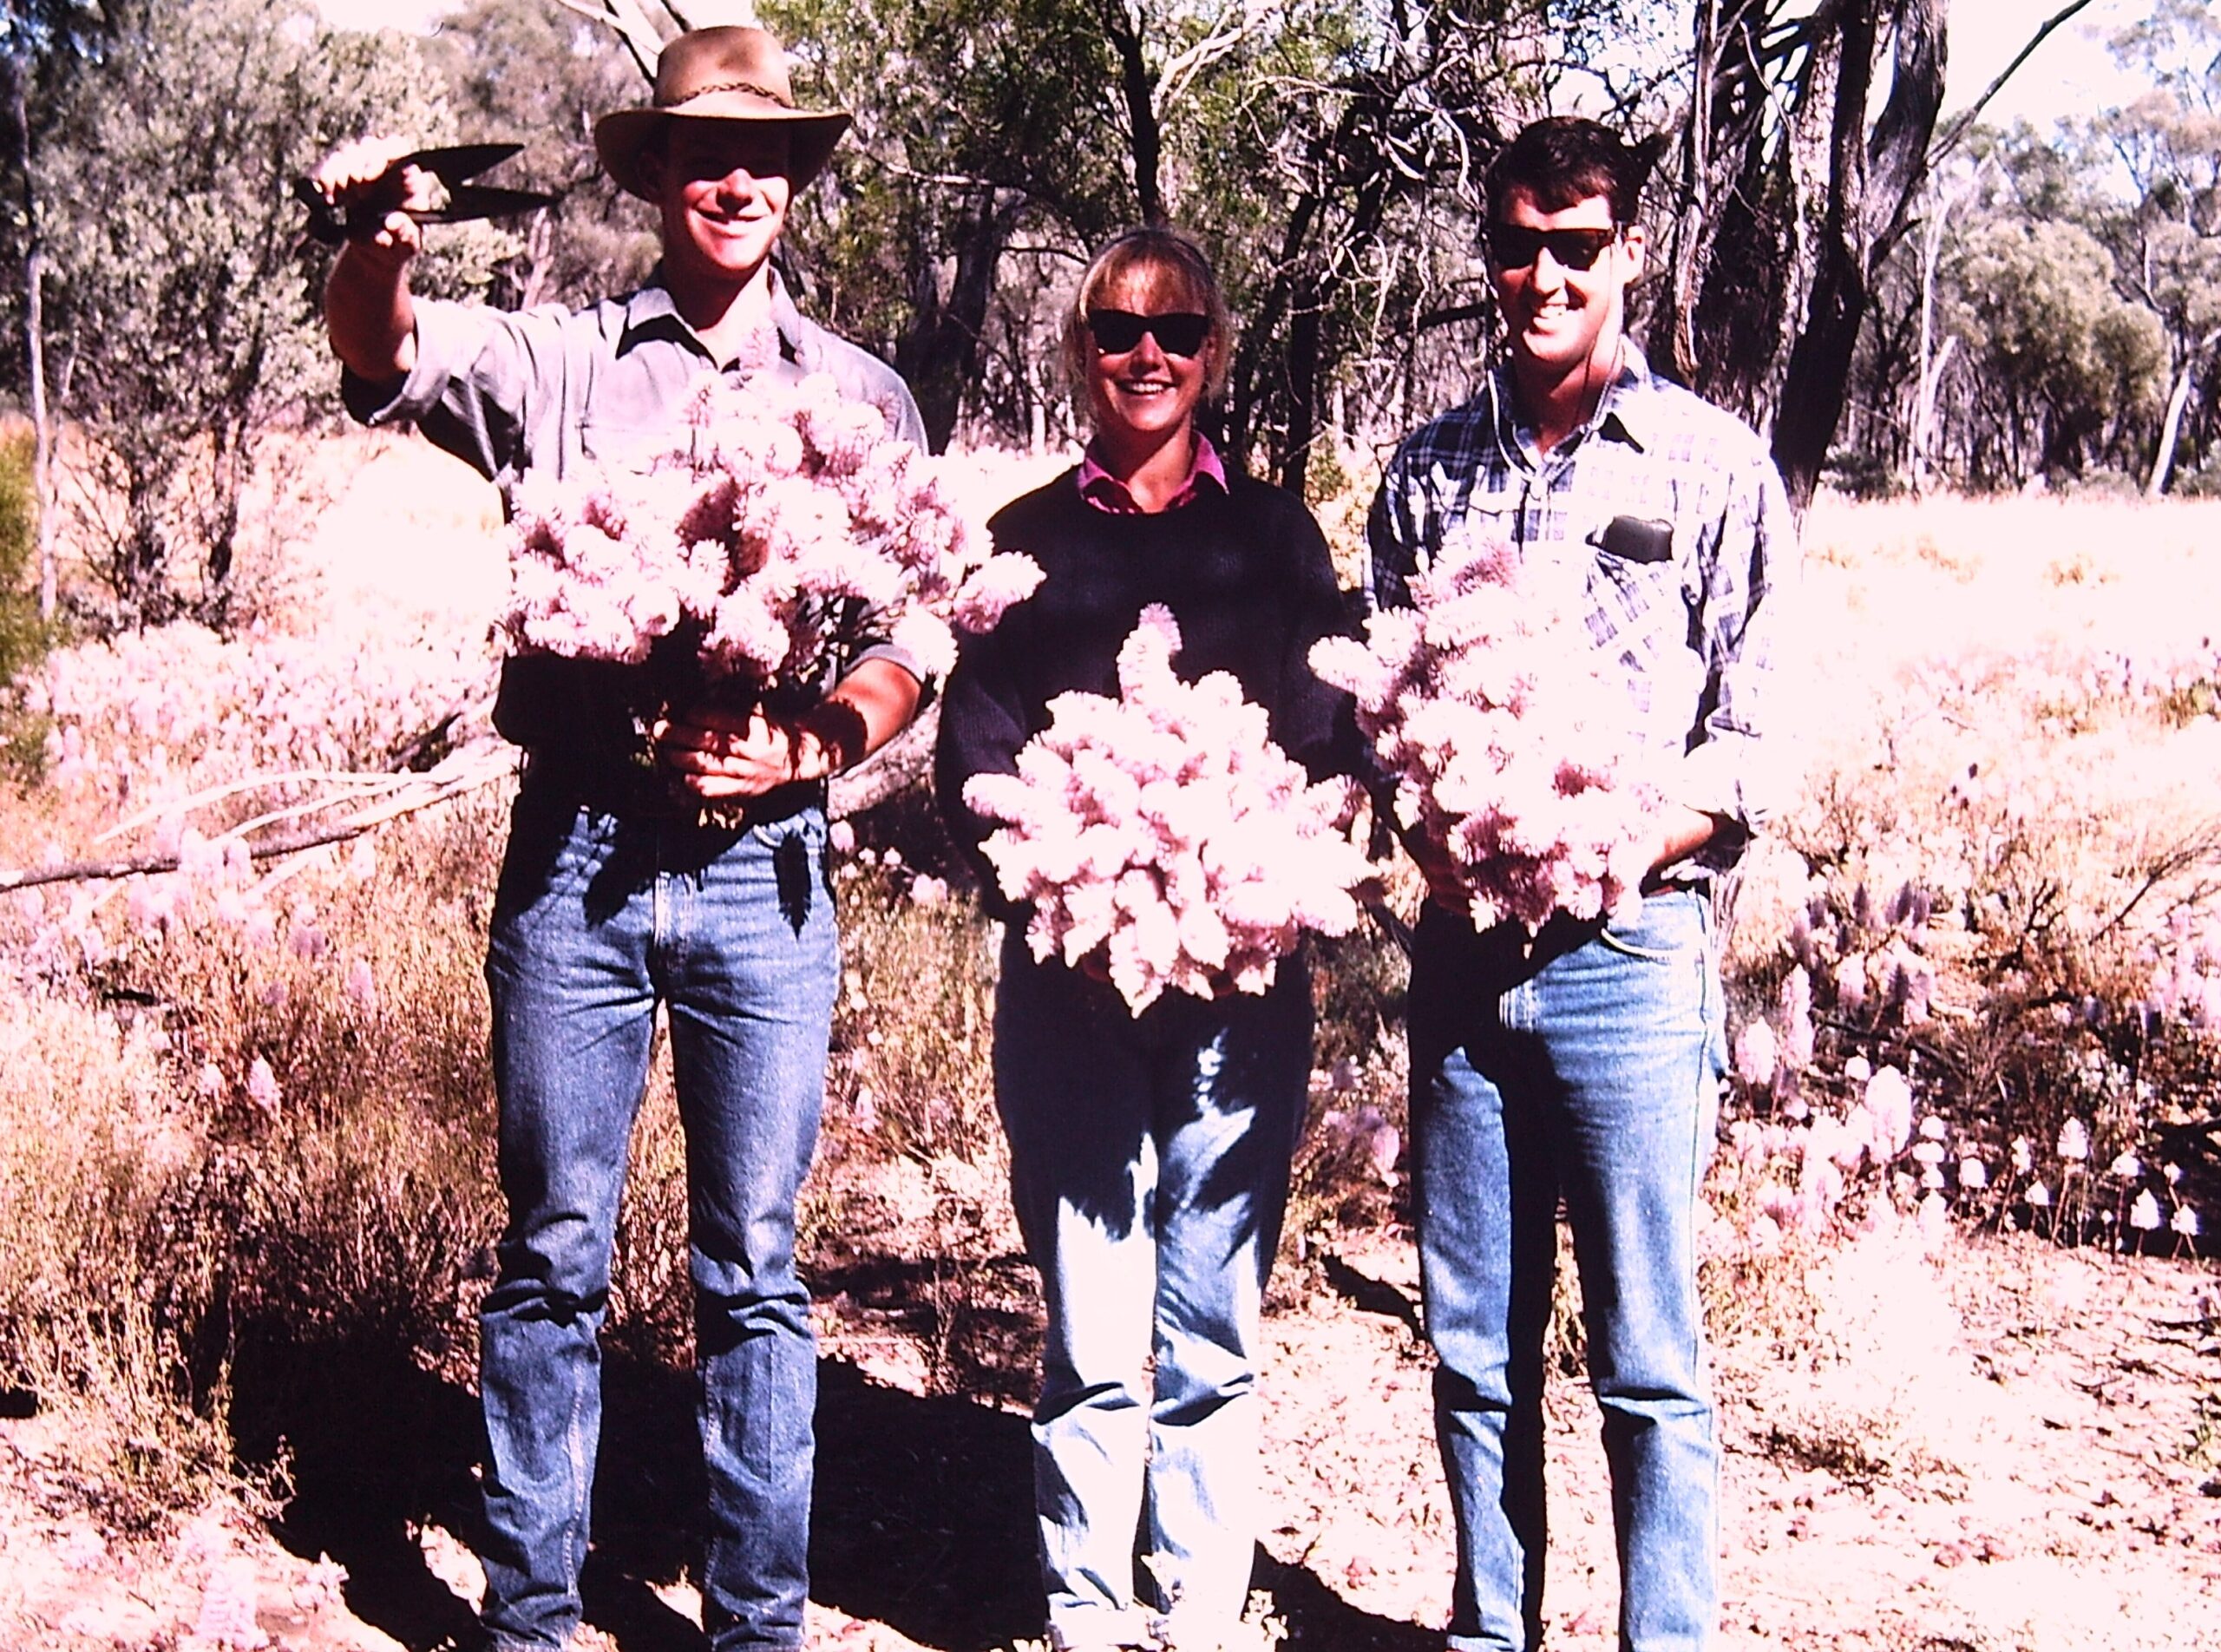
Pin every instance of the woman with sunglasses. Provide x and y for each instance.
(1150, 1154)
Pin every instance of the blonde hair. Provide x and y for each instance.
(1161, 252)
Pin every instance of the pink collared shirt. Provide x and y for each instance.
(1106, 493)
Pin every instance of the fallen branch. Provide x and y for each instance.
(457, 785)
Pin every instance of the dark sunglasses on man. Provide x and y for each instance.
(1178, 333)
(1516, 247)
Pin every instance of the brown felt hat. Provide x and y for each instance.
(730, 74)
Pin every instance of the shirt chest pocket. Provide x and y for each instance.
(1642, 583)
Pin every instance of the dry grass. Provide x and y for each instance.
(185, 1262)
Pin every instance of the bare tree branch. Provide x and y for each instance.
(640, 36)
(462, 781)
(1959, 127)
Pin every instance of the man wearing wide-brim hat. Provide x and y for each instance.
(617, 893)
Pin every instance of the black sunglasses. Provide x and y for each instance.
(1178, 333)
(1515, 246)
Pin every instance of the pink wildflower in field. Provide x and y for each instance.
(2143, 1215)
(1508, 747)
(927, 890)
(362, 985)
(2073, 1141)
(153, 902)
(1974, 1175)
(2184, 1222)
(2024, 1156)
(840, 837)
(2038, 1196)
(2126, 1166)
(1797, 1018)
(262, 1087)
(1932, 1215)
(1165, 833)
(1756, 1054)
(1888, 1106)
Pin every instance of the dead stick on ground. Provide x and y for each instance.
(269, 849)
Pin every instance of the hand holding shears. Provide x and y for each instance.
(377, 192)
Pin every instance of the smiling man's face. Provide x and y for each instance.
(1559, 318)
(722, 191)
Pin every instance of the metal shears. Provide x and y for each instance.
(458, 201)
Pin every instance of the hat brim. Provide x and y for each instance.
(619, 137)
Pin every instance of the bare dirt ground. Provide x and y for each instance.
(2006, 1449)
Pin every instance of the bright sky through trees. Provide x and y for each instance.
(2070, 71)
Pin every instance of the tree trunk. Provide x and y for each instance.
(1872, 184)
(1139, 88)
(1789, 205)
(2171, 431)
(35, 342)
(938, 353)
(1301, 389)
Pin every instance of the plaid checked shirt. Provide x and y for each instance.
(1690, 632)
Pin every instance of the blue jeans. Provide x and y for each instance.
(599, 918)
(1149, 1166)
(1587, 1068)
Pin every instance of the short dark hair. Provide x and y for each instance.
(1565, 160)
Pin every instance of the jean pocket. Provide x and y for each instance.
(1665, 928)
(553, 850)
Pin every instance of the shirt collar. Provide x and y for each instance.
(651, 311)
(1624, 411)
(1105, 492)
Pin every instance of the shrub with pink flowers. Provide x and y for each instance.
(1506, 746)
(757, 544)
(1164, 832)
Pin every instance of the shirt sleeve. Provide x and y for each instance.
(479, 377)
(1313, 722)
(983, 727)
(1734, 769)
(1392, 539)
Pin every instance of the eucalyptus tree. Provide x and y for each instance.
(43, 45)
(2168, 140)
(180, 283)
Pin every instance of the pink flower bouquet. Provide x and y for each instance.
(1165, 833)
(755, 548)
(1506, 746)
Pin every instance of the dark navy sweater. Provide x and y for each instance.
(1245, 573)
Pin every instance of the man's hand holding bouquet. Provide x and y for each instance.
(1518, 785)
(746, 567)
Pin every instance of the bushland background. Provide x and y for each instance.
(1969, 1344)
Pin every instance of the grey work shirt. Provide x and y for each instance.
(548, 392)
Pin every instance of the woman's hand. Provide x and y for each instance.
(717, 754)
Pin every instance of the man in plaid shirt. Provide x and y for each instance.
(1583, 1062)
